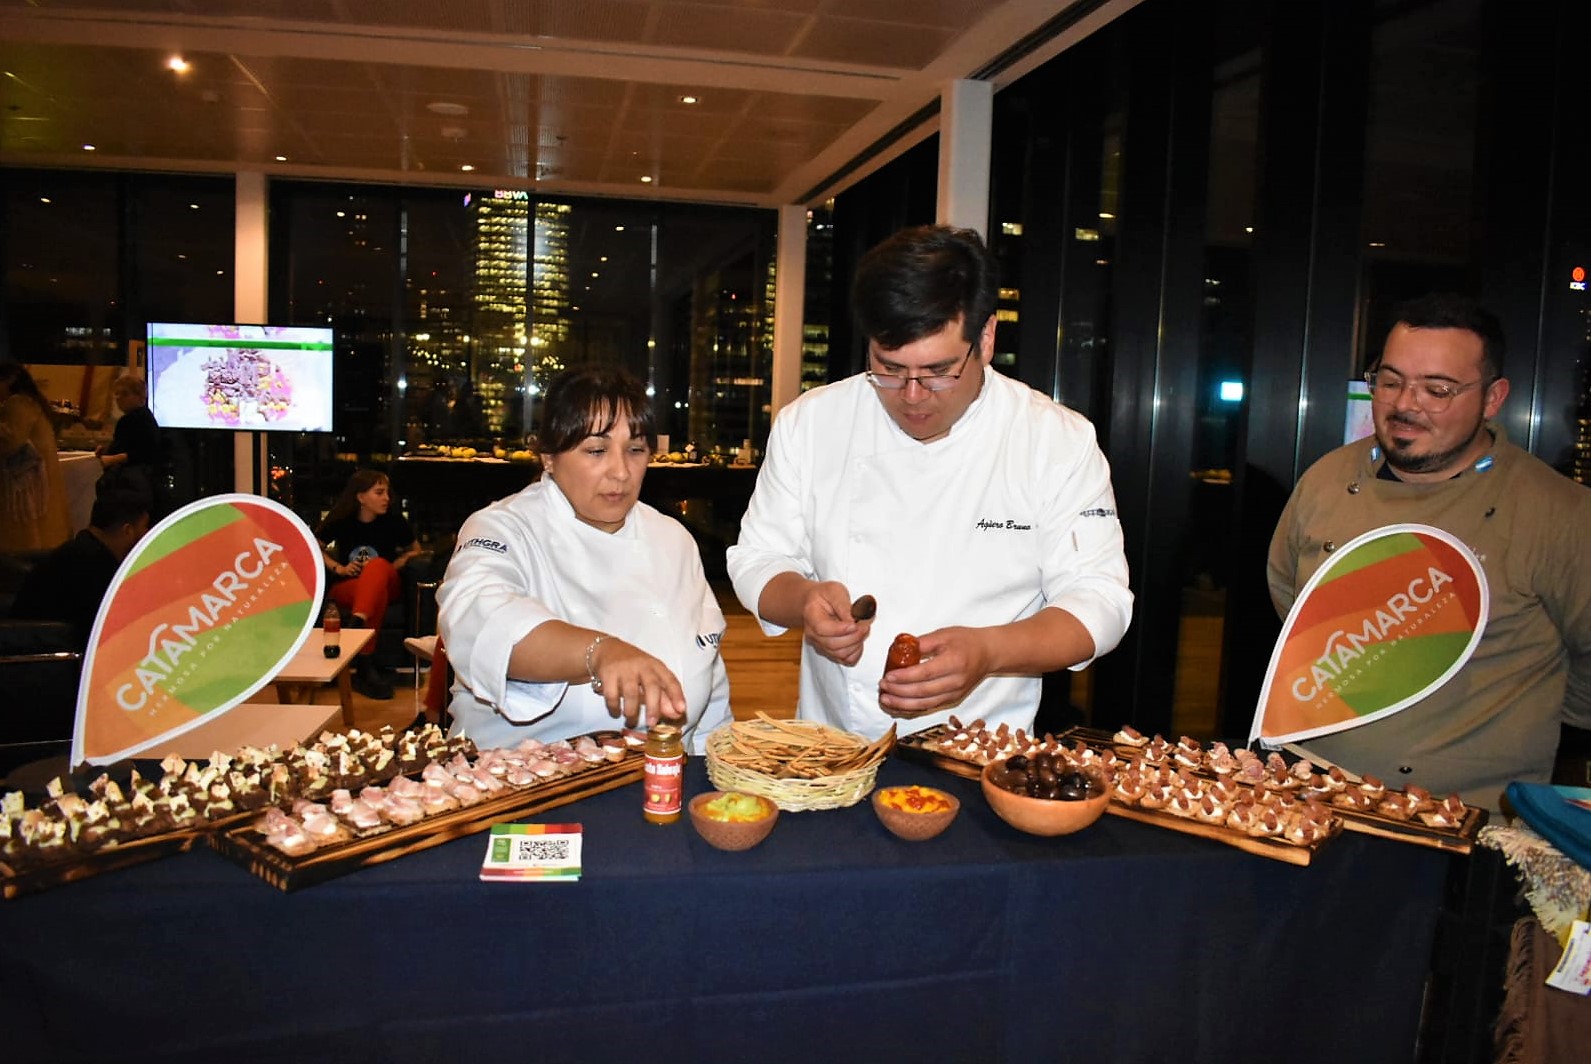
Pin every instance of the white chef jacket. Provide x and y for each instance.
(1009, 513)
(528, 559)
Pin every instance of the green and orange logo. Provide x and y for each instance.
(1391, 617)
(203, 613)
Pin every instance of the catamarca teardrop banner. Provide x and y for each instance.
(206, 609)
(1389, 618)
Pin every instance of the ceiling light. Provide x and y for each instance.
(44, 199)
(281, 158)
(178, 65)
(88, 147)
(452, 110)
(1378, 243)
(1106, 215)
(594, 273)
(646, 179)
(193, 206)
(689, 99)
(1248, 228)
(467, 168)
(618, 229)
(603, 259)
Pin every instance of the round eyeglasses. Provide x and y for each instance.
(1432, 396)
(933, 382)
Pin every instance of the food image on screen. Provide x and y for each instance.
(243, 384)
(264, 378)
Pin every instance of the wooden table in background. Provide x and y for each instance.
(257, 724)
(311, 668)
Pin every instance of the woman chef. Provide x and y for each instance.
(572, 604)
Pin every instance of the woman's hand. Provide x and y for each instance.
(635, 685)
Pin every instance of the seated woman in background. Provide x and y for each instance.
(364, 546)
(33, 514)
(571, 604)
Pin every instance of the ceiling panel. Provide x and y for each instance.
(586, 93)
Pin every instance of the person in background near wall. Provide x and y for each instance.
(364, 546)
(1438, 458)
(572, 604)
(33, 513)
(70, 584)
(977, 512)
(135, 442)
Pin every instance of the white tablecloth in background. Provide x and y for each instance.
(80, 472)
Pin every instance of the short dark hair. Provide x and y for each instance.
(118, 506)
(1449, 310)
(922, 279)
(587, 400)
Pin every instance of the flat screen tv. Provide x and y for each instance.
(248, 378)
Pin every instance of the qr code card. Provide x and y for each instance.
(548, 852)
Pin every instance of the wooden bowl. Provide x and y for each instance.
(1042, 816)
(728, 835)
(915, 827)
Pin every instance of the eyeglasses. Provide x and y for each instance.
(933, 382)
(1433, 396)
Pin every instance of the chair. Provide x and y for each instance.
(39, 669)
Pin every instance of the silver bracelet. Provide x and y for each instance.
(596, 682)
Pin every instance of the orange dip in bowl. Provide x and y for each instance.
(914, 799)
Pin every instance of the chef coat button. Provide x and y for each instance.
(1329, 546)
(1406, 769)
(1353, 488)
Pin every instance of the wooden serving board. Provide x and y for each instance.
(1457, 839)
(14, 884)
(914, 748)
(247, 847)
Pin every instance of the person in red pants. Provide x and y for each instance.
(364, 545)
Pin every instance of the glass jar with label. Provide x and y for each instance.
(664, 780)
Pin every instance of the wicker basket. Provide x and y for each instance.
(791, 795)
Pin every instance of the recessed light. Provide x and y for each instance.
(1378, 243)
(594, 273)
(193, 206)
(646, 179)
(618, 229)
(1107, 215)
(467, 168)
(689, 99)
(443, 107)
(603, 259)
(88, 147)
(44, 199)
(281, 158)
(178, 65)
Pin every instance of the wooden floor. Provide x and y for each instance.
(764, 673)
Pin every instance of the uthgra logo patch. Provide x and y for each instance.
(495, 546)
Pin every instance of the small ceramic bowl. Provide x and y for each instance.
(914, 826)
(1043, 816)
(731, 835)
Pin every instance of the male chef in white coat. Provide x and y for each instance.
(976, 511)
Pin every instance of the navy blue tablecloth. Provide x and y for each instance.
(832, 941)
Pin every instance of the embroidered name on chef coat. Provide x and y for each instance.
(987, 524)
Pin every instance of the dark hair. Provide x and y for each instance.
(347, 503)
(1448, 310)
(118, 506)
(919, 280)
(15, 376)
(587, 400)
